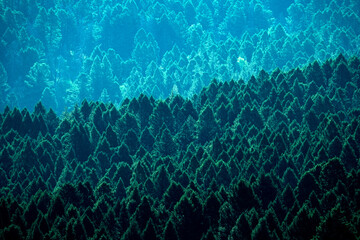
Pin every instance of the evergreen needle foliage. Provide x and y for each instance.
(275, 157)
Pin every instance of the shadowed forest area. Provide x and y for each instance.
(60, 52)
(275, 157)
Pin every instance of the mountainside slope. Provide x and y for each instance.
(276, 157)
(61, 52)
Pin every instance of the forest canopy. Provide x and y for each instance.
(63, 51)
(179, 119)
(275, 157)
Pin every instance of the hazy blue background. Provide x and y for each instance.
(63, 51)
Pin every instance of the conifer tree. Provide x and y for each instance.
(304, 224)
(207, 125)
(167, 146)
(161, 180)
(131, 141)
(147, 139)
(88, 226)
(342, 75)
(124, 154)
(149, 232)
(261, 231)
(170, 231)
(265, 189)
(161, 115)
(240, 197)
(211, 210)
(172, 195)
(111, 136)
(145, 110)
(13, 232)
(306, 185)
(143, 213)
(80, 141)
(242, 229)
(332, 172)
(38, 78)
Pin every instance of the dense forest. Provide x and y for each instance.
(179, 119)
(273, 157)
(63, 51)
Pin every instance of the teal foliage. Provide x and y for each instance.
(65, 51)
(272, 157)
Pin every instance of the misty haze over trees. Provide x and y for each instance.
(63, 51)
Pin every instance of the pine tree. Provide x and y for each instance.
(124, 172)
(185, 136)
(332, 172)
(80, 141)
(124, 154)
(335, 147)
(53, 34)
(265, 189)
(167, 146)
(161, 115)
(146, 139)
(342, 75)
(131, 140)
(312, 120)
(207, 125)
(111, 136)
(227, 219)
(97, 119)
(161, 180)
(172, 195)
(242, 229)
(120, 191)
(242, 197)
(126, 123)
(211, 210)
(170, 232)
(348, 157)
(149, 232)
(334, 227)
(145, 110)
(290, 177)
(306, 185)
(88, 226)
(38, 78)
(261, 231)
(13, 232)
(304, 224)
(144, 213)
(189, 222)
